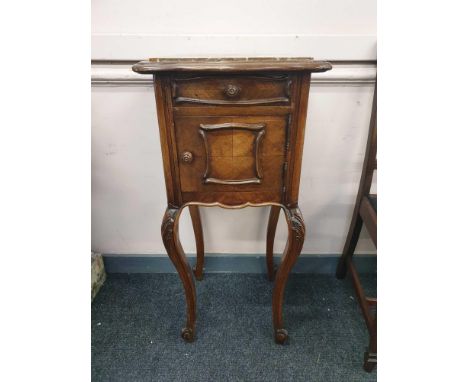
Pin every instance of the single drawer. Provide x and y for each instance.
(261, 89)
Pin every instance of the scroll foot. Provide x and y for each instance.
(281, 336)
(188, 335)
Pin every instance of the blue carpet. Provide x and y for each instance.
(137, 319)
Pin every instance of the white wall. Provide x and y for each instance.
(331, 17)
(127, 180)
(332, 29)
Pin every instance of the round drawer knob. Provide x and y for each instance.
(232, 90)
(187, 157)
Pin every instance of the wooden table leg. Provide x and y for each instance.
(170, 236)
(271, 231)
(198, 231)
(350, 245)
(296, 234)
(370, 356)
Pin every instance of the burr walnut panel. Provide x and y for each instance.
(261, 89)
(244, 150)
(231, 153)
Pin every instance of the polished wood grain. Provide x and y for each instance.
(233, 198)
(295, 144)
(238, 90)
(243, 146)
(232, 134)
(296, 235)
(198, 232)
(271, 231)
(170, 236)
(231, 110)
(231, 153)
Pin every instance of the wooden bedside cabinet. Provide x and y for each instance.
(232, 132)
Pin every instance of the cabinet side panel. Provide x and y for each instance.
(298, 139)
(164, 118)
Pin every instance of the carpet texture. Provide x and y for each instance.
(137, 319)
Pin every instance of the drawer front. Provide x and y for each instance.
(274, 89)
(230, 154)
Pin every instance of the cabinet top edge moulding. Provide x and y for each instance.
(155, 65)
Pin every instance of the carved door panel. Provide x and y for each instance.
(231, 153)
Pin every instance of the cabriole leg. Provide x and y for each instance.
(296, 234)
(170, 236)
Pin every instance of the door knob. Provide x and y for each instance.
(187, 157)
